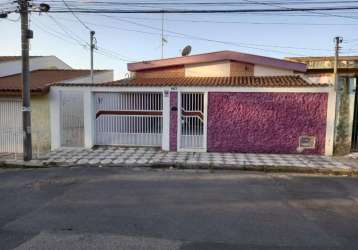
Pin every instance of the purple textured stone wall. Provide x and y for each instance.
(173, 121)
(265, 122)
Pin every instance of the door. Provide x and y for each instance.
(129, 118)
(72, 126)
(192, 121)
(10, 126)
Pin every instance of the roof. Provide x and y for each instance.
(321, 58)
(323, 64)
(235, 81)
(218, 56)
(13, 58)
(39, 80)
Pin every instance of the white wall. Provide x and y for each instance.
(321, 78)
(105, 76)
(222, 69)
(215, 69)
(44, 62)
(269, 71)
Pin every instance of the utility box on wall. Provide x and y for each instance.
(306, 142)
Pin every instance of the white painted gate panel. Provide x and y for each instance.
(11, 126)
(129, 118)
(72, 125)
(192, 121)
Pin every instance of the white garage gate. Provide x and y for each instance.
(129, 118)
(11, 125)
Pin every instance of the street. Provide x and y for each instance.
(117, 208)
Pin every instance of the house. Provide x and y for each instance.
(51, 70)
(11, 65)
(320, 71)
(223, 101)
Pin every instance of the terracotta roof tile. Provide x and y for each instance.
(242, 81)
(39, 80)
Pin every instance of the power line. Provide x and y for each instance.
(184, 36)
(217, 41)
(75, 42)
(198, 11)
(85, 44)
(287, 8)
(68, 32)
(206, 3)
(73, 13)
(60, 35)
(241, 22)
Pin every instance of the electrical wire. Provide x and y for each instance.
(200, 11)
(217, 41)
(240, 22)
(73, 13)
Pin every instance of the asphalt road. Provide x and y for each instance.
(113, 208)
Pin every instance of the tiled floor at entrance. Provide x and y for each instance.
(142, 156)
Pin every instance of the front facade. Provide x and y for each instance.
(217, 102)
(11, 106)
(11, 65)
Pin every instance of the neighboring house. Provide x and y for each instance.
(217, 102)
(320, 71)
(11, 65)
(40, 81)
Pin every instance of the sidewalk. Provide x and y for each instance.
(155, 158)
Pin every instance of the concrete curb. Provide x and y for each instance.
(347, 171)
(160, 165)
(22, 164)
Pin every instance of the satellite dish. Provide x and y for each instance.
(186, 51)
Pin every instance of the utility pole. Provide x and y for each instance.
(338, 40)
(26, 34)
(339, 130)
(93, 46)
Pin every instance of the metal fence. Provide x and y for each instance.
(129, 118)
(192, 121)
(10, 125)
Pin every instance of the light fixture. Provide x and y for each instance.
(3, 15)
(44, 7)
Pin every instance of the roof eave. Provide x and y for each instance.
(218, 56)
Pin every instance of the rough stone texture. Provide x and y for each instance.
(265, 122)
(173, 121)
(343, 130)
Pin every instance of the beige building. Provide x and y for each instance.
(11, 104)
(320, 70)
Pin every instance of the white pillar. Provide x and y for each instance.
(205, 136)
(88, 118)
(352, 84)
(55, 117)
(166, 120)
(330, 126)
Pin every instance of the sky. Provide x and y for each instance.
(123, 38)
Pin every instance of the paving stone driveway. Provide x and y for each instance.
(131, 156)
